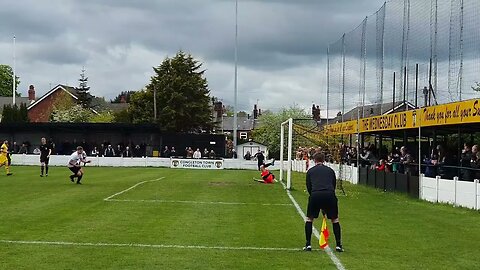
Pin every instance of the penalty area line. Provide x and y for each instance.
(132, 187)
(136, 245)
(328, 250)
(200, 202)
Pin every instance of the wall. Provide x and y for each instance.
(60, 160)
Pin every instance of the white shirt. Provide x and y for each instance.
(76, 158)
(197, 154)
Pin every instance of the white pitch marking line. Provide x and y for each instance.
(132, 187)
(328, 250)
(198, 202)
(54, 243)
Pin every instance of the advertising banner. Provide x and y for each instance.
(206, 164)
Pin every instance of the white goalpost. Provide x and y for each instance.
(286, 165)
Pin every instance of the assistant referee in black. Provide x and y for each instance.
(321, 184)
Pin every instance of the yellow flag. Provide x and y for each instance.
(323, 241)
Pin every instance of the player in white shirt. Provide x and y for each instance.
(75, 164)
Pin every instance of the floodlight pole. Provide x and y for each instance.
(235, 124)
(14, 69)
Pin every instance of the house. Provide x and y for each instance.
(373, 110)
(245, 125)
(19, 100)
(41, 109)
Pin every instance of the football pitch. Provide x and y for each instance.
(156, 218)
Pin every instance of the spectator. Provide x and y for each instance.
(205, 153)
(465, 161)
(474, 163)
(166, 152)
(109, 152)
(23, 149)
(382, 166)
(173, 152)
(248, 156)
(119, 151)
(127, 152)
(431, 163)
(211, 154)
(234, 154)
(405, 161)
(95, 152)
(15, 148)
(189, 152)
(137, 151)
(197, 154)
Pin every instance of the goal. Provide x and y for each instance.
(299, 140)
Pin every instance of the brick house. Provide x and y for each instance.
(41, 109)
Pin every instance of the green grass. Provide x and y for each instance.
(380, 230)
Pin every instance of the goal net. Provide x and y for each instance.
(299, 140)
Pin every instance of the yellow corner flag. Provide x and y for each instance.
(324, 234)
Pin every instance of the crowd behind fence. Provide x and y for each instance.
(439, 162)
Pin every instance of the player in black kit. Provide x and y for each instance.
(45, 152)
(321, 183)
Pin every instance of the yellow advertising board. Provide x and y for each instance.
(463, 112)
(452, 113)
(394, 121)
(345, 128)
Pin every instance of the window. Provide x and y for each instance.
(243, 135)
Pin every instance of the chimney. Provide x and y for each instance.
(31, 93)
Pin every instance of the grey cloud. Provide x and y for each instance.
(278, 39)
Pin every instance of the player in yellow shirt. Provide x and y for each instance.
(5, 146)
(4, 157)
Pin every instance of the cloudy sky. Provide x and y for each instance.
(282, 43)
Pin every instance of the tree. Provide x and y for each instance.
(122, 116)
(6, 81)
(268, 132)
(75, 114)
(103, 117)
(124, 96)
(83, 91)
(182, 97)
(15, 114)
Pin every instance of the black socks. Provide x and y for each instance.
(308, 233)
(338, 233)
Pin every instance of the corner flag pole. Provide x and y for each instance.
(14, 77)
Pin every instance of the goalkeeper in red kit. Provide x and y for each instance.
(267, 176)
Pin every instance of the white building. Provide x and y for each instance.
(251, 147)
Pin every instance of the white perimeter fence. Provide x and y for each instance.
(59, 160)
(436, 190)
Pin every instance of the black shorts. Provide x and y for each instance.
(44, 159)
(74, 169)
(325, 201)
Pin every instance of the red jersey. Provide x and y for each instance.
(267, 177)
